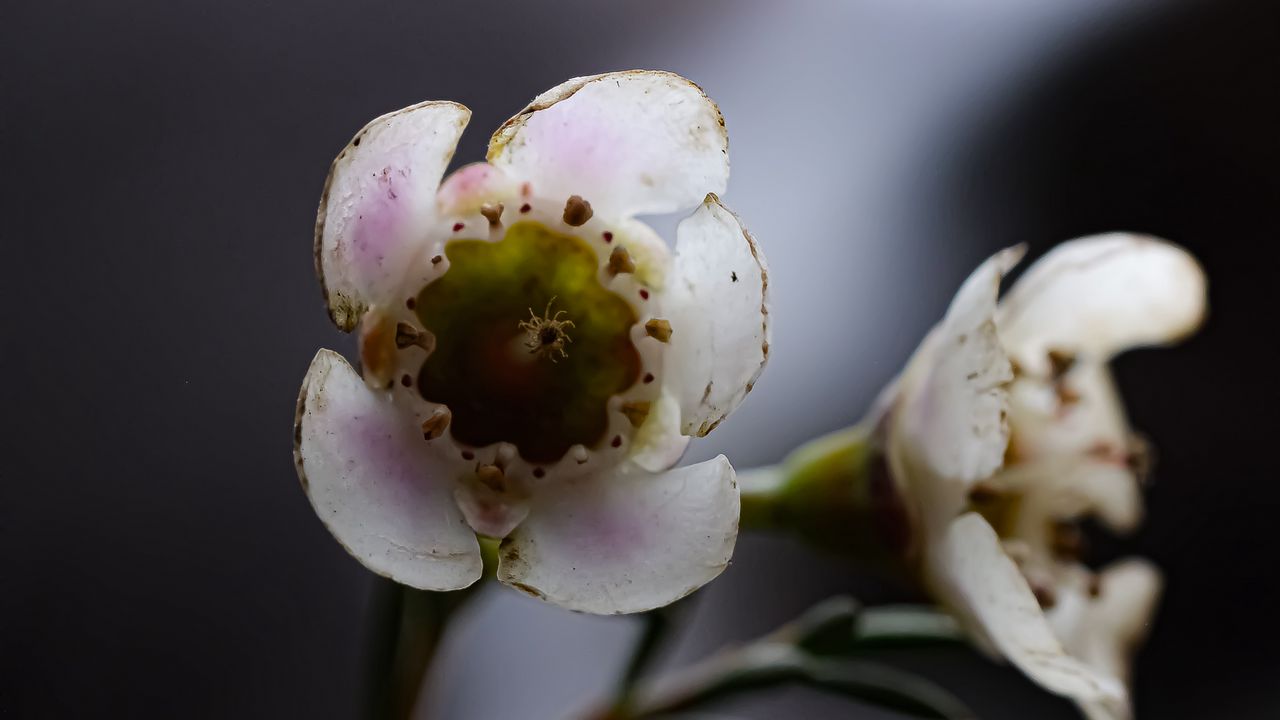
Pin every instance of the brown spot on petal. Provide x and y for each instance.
(648, 378)
(620, 261)
(1044, 595)
(617, 441)
(576, 211)
(636, 412)
(658, 329)
(437, 259)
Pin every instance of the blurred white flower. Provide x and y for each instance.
(1005, 428)
(534, 357)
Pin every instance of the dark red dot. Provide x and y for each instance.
(648, 378)
(406, 381)
(468, 455)
(644, 293)
(608, 237)
(617, 441)
(410, 303)
(526, 208)
(458, 226)
(539, 472)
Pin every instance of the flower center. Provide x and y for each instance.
(529, 345)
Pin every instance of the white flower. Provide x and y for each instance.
(1006, 427)
(534, 357)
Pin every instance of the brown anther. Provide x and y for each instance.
(983, 493)
(1066, 396)
(492, 212)
(434, 426)
(620, 261)
(636, 412)
(579, 454)
(1067, 540)
(1060, 362)
(407, 335)
(492, 477)
(659, 330)
(576, 211)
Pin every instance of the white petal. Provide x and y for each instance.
(974, 577)
(1104, 630)
(378, 203)
(629, 142)
(953, 413)
(628, 542)
(1093, 422)
(374, 485)
(718, 303)
(1102, 295)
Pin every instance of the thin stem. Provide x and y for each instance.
(817, 650)
(656, 624)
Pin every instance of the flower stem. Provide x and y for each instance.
(406, 627)
(818, 649)
(834, 492)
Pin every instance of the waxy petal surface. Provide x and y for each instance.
(625, 543)
(718, 303)
(974, 576)
(1102, 295)
(373, 483)
(954, 412)
(630, 142)
(378, 203)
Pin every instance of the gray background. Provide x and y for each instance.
(161, 166)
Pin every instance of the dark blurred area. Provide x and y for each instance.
(161, 166)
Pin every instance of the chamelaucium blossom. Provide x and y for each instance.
(534, 358)
(1005, 429)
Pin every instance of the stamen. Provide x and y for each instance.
(576, 211)
(434, 426)
(1060, 363)
(620, 261)
(545, 336)
(659, 330)
(409, 336)
(492, 477)
(636, 412)
(492, 212)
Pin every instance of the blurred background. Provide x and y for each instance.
(162, 162)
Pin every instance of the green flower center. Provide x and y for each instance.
(529, 345)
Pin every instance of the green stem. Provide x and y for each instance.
(406, 627)
(813, 650)
(834, 492)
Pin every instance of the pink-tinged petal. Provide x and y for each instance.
(718, 306)
(974, 577)
(629, 142)
(952, 414)
(372, 481)
(626, 542)
(1100, 296)
(469, 188)
(378, 203)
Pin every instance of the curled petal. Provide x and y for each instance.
(378, 202)
(953, 412)
(1102, 295)
(719, 306)
(625, 543)
(973, 575)
(374, 485)
(629, 142)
